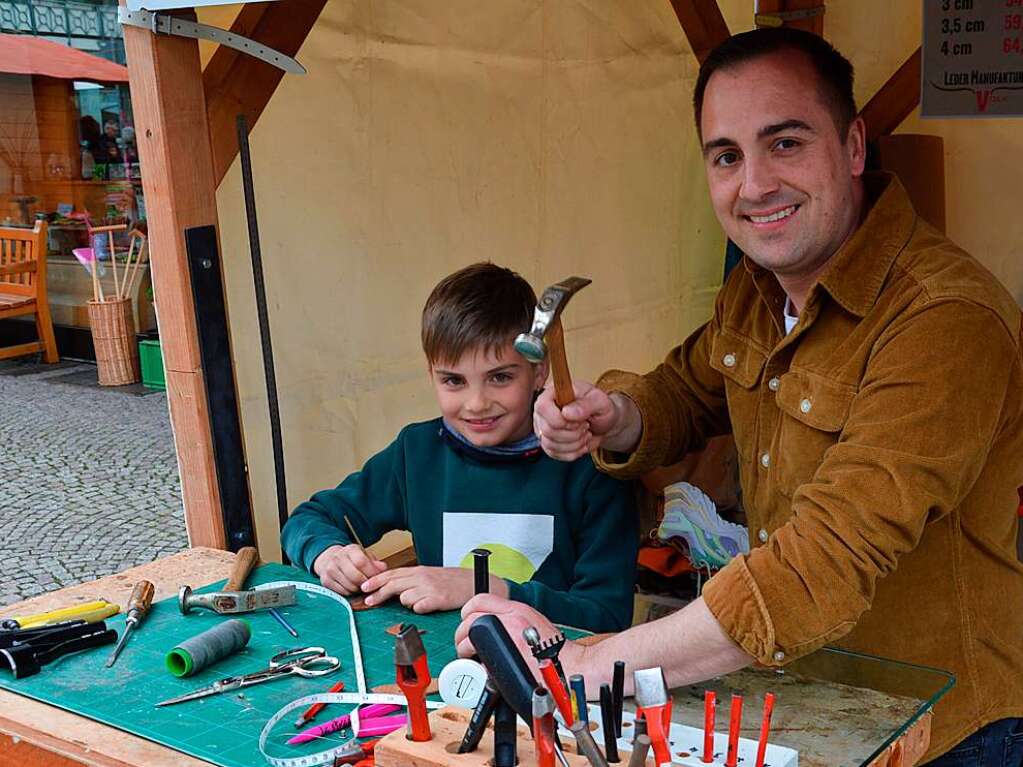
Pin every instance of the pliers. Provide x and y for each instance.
(413, 678)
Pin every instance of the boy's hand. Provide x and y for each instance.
(594, 420)
(427, 589)
(345, 568)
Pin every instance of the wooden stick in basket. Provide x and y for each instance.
(113, 263)
(140, 258)
(127, 267)
(95, 277)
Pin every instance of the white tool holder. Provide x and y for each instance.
(686, 744)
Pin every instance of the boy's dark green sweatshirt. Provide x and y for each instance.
(564, 536)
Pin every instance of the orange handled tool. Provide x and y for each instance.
(553, 681)
(139, 602)
(654, 705)
(413, 677)
(358, 754)
(734, 724)
(765, 729)
(543, 728)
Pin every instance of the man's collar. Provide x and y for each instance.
(855, 274)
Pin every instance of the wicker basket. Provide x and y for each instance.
(113, 335)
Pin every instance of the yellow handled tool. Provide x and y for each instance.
(138, 606)
(90, 612)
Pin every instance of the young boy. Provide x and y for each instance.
(563, 536)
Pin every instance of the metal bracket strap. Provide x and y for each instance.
(778, 18)
(172, 25)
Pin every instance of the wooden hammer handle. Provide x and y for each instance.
(244, 561)
(555, 339)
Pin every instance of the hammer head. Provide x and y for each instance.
(651, 689)
(553, 301)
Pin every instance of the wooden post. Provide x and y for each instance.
(177, 176)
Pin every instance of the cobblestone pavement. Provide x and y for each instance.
(88, 478)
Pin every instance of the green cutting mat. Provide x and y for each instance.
(225, 728)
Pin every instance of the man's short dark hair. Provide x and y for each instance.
(834, 72)
(483, 306)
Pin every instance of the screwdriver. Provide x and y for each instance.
(138, 605)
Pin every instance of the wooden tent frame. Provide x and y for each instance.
(174, 99)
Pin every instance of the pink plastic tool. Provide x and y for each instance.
(327, 728)
(367, 727)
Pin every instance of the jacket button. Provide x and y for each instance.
(762, 535)
(779, 656)
(805, 405)
(773, 384)
(729, 360)
(765, 460)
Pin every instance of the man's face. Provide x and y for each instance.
(783, 184)
(488, 397)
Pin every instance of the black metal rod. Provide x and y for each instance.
(607, 721)
(505, 754)
(248, 189)
(481, 570)
(618, 694)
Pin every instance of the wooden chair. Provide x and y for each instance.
(23, 287)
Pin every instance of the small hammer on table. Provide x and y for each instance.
(546, 337)
(232, 599)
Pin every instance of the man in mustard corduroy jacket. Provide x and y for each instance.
(870, 371)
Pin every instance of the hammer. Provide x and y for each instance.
(546, 336)
(232, 599)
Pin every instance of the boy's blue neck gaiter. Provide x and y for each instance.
(527, 448)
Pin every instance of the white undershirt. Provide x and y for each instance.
(790, 318)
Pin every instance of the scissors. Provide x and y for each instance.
(305, 662)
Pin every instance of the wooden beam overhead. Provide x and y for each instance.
(703, 25)
(170, 115)
(239, 84)
(895, 101)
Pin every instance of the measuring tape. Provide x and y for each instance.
(359, 698)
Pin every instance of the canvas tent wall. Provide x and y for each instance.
(553, 136)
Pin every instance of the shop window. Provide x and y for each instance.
(67, 141)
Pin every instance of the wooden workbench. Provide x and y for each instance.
(40, 735)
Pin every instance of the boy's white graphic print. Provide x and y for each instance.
(519, 542)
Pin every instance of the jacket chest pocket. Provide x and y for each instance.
(814, 411)
(741, 364)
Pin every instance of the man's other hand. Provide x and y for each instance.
(427, 589)
(515, 616)
(345, 568)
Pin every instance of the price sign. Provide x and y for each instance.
(972, 58)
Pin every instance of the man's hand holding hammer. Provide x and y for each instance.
(594, 420)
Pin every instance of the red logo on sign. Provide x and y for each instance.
(982, 99)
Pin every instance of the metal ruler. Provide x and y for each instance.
(172, 25)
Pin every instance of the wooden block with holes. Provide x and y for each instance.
(448, 726)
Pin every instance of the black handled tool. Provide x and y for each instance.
(27, 658)
(505, 664)
(480, 717)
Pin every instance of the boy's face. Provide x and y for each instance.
(488, 397)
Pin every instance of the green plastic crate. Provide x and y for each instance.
(151, 360)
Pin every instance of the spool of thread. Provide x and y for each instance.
(205, 649)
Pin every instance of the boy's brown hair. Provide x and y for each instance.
(483, 306)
